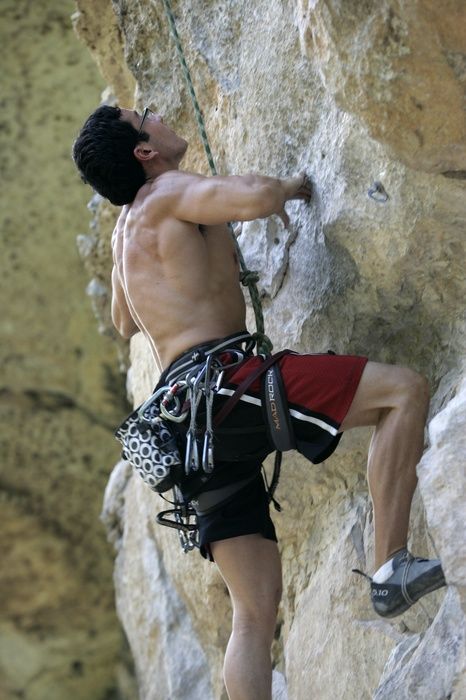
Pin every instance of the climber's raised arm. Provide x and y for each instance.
(216, 200)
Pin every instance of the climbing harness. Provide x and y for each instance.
(153, 426)
(149, 434)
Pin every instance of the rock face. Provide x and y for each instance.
(355, 93)
(395, 69)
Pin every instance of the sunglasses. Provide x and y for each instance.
(145, 114)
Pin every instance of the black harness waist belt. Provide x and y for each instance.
(196, 357)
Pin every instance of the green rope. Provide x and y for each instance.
(190, 86)
(247, 277)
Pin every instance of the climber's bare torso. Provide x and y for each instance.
(176, 274)
(178, 281)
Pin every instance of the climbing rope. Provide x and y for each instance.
(248, 278)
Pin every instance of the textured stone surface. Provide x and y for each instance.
(395, 66)
(353, 92)
(61, 392)
(158, 626)
(95, 23)
(443, 488)
(440, 648)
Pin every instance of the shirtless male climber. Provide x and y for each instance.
(176, 279)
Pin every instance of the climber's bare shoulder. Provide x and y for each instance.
(205, 201)
(181, 277)
(170, 212)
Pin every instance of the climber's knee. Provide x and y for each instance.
(413, 390)
(383, 387)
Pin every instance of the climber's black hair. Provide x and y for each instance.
(103, 154)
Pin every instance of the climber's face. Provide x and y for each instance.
(161, 139)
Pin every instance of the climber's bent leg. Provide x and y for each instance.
(395, 400)
(250, 566)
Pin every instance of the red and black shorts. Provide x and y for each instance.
(319, 389)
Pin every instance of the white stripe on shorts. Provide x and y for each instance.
(317, 421)
(296, 414)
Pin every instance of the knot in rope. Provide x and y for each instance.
(264, 344)
(248, 277)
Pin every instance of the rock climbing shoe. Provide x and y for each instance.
(411, 579)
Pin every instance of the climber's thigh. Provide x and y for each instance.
(382, 387)
(250, 566)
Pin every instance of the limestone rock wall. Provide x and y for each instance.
(355, 93)
(61, 391)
